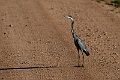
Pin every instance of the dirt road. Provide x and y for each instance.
(36, 41)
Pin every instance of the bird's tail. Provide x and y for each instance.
(86, 52)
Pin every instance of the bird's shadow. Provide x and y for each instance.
(79, 66)
(21, 68)
(26, 68)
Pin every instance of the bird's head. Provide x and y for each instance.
(69, 17)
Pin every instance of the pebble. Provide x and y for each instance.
(4, 33)
(10, 25)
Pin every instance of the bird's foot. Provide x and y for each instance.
(82, 65)
(79, 66)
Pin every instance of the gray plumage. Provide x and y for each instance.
(78, 42)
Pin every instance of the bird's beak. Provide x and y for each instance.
(66, 16)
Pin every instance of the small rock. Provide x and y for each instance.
(89, 29)
(10, 25)
(87, 35)
(104, 33)
(99, 36)
(4, 33)
(29, 42)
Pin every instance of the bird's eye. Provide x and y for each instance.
(69, 15)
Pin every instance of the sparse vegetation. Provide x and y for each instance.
(99, 0)
(116, 3)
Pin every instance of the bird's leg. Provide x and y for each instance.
(78, 58)
(83, 59)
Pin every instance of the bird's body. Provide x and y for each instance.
(80, 45)
(78, 42)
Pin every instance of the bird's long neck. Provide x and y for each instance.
(72, 23)
(72, 30)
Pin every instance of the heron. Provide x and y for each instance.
(80, 45)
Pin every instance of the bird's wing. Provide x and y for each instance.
(81, 44)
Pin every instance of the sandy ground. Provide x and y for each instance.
(36, 41)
